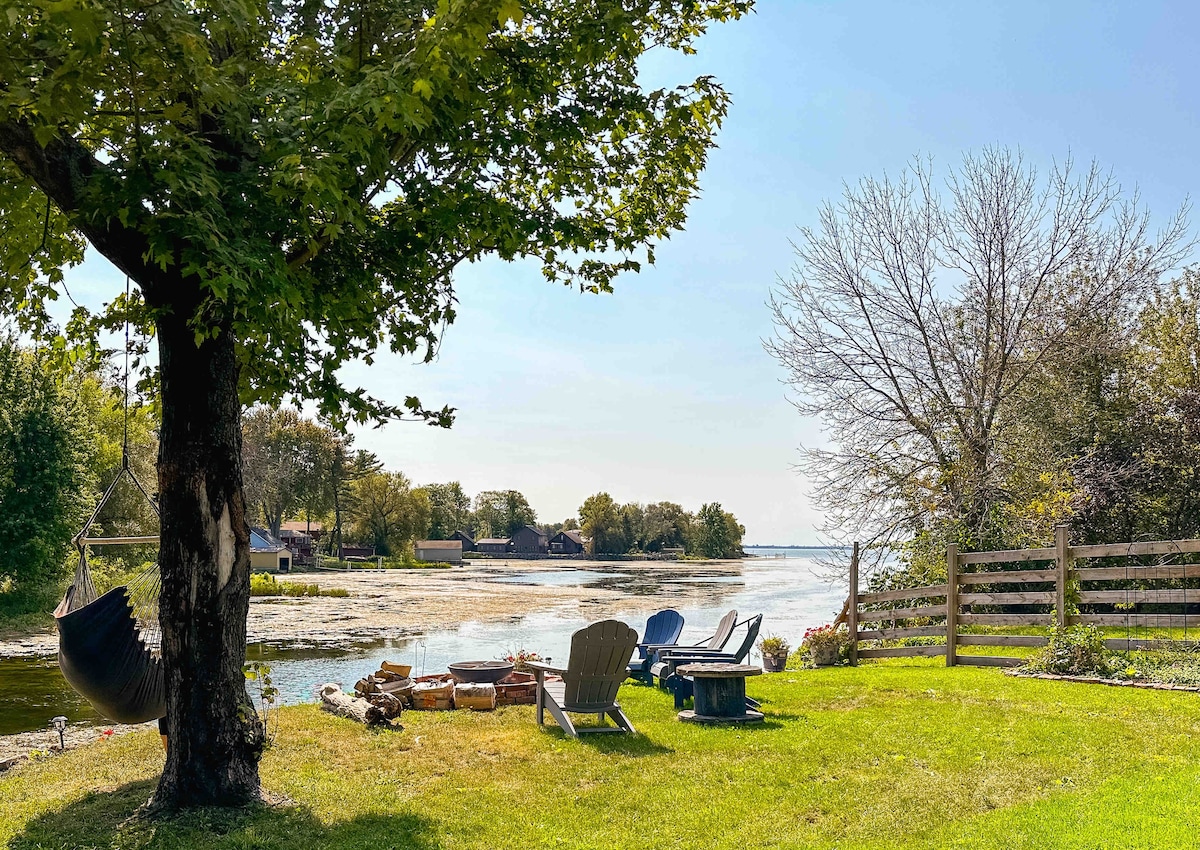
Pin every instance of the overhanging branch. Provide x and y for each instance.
(62, 169)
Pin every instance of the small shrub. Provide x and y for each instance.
(264, 584)
(1074, 651)
(773, 645)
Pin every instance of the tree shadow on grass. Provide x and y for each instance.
(103, 820)
(636, 746)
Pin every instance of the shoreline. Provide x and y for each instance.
(389, 604)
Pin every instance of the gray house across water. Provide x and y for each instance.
(566, 543)
(529, 540)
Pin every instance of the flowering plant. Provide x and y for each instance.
(520, 659)
(820, 637)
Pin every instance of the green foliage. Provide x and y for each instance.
(1136, 479)
(445, 131)
(716, 533)
(770, 644)
(264, 692)
(824, 637)
(110, 572)
(286, 462)
(388, 513)
(1073, 650)
(265, 584)
(600, 519)
(499, 513)
(449, 509)
(45, 441)
(617, 529)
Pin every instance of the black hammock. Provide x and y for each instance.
(108, 646)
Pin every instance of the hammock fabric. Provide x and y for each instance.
(105, 658)
(108, 645)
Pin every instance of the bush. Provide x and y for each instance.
(265, 584)
(1073, 651)
(108, 573)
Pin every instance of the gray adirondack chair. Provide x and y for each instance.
(599, 658)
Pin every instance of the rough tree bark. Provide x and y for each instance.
(215, 736)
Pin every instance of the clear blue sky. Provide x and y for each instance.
(662, 390)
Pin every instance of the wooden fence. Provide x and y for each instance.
(1001, 588)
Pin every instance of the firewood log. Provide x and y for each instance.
(335, 701)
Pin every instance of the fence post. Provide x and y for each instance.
(852, 608)
(951, 604)
(1062, 561)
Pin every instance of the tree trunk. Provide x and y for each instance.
(215, 737)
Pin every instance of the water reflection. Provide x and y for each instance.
(783, 589)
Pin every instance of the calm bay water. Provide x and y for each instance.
(781, 587)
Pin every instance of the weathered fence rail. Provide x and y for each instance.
(987, 580)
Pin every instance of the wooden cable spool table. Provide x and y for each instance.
(720, 693)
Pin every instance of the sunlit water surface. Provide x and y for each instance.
(781, 586)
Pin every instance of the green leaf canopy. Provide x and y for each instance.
(308, 174)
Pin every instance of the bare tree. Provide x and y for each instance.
(916, 315)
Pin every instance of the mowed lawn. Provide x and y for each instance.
(886, 755)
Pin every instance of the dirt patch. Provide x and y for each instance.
(15, 749)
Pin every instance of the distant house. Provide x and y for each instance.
(268, 553)
(492, 546)
(566, 543)
(449, 551)
(302, 538)
(529, 540)
(467, 541)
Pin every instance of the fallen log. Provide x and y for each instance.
(390, 704)
(336, 701)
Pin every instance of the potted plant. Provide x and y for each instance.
(823, 644)
(774, 651)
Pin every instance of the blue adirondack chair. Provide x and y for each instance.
(662, 629)
(682, 687)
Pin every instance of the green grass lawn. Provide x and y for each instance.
(888, 755)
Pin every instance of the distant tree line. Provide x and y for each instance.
(63, 425)
(296, 469)
(631, 528)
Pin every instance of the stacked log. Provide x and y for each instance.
(389, 688)
(335, 701)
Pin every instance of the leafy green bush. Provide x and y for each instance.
(265, 584)
(1074, 651)
(108, 573)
